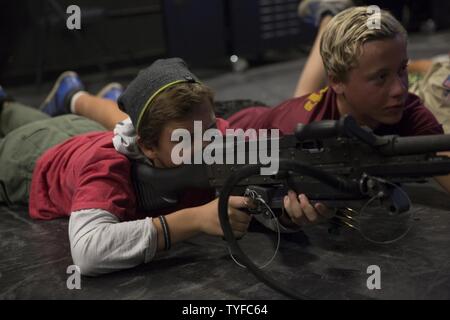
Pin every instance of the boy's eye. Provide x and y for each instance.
(381, 77)
(404, 69)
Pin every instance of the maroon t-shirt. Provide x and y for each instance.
(322, 105)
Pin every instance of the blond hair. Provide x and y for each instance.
(347, 32)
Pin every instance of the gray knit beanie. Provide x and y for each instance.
(151, 81)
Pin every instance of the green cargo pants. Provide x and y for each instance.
(25, 134)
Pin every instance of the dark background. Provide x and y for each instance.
(36, 45)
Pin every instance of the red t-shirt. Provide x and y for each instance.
(86, 172)
(322, 105)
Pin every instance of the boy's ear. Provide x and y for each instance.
(148, 152)
(337, 85)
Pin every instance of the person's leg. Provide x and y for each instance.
(20, 149)
(104, 111)
(313, 76)
(14, 115)
(68, 96)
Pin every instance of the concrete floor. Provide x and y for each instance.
(35, 255)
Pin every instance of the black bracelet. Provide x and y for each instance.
(165, 227)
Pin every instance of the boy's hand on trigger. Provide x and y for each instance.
(239, 220)
(301, 212)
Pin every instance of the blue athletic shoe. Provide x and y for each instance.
(2, 97)
(312, 11)
(58, 100)
(111, 91)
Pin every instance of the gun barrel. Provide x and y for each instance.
(416, 145)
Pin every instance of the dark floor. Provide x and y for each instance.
(34, 255)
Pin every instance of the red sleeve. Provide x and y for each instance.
(105, 184)
(222, 125)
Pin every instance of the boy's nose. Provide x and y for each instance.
(399, 87)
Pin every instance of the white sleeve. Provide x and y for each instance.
(100, 243)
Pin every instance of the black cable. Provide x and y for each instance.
(250, 170)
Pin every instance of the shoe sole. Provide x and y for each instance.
(55, 87)
(108, 87)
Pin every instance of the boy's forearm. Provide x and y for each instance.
(182, 225)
